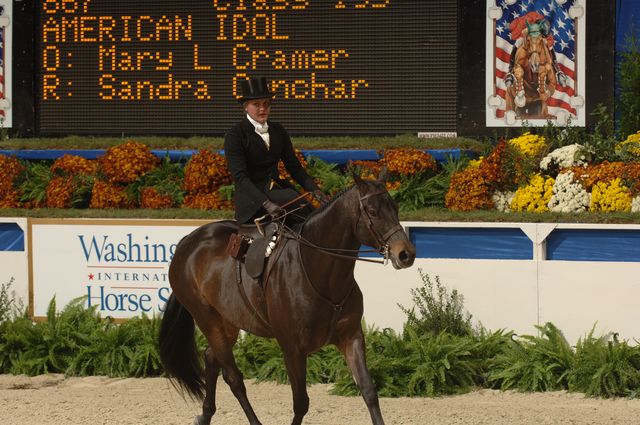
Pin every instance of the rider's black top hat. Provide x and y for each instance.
(254, 88)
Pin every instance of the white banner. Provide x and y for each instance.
(121, 267)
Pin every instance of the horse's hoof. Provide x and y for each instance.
(202, 420)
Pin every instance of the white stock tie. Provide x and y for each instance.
(263, 131)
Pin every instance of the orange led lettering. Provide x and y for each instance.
(84, 28)
(50, 83)
(51, 58)
(196, 60)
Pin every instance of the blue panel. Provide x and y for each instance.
(340, 157)
(471, 243)
(11, 237)
(593, 245)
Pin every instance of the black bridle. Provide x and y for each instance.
(380, 240)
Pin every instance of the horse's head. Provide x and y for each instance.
(378, 224)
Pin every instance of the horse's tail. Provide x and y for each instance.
(178, 351)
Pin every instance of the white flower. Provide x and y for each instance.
(502, 200)
(635, 204)
(568, 195)
(565, 157)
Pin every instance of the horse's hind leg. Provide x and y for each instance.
(211, 372)
(353, 349)
(221, 341)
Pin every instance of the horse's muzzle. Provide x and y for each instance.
(402, 254)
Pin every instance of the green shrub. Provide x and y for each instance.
(437, 309)
(534, 363)
(606, 367)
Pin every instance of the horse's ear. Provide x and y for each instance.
(383, 175)
(358, 180)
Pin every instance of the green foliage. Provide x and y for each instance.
(166, 179)
(438, 310)
(536, 363)
(416, 362)
(415, 192)
(628, 99)
(601, 141)
(333, 181)
(32, 184)
(7, 302)
(606, 367)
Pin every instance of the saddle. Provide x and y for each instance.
(250, 247)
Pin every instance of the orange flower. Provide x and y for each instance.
(127, 162)
(72, 165)
(108, 195)
(206, 201)
(469, 191)
(59, 193)
(205, 173)
(282, 171)
(408, 162)
(9, 199)
(10, 169)
(151, 198)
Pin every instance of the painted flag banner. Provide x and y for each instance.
(2, 62)
(536, 48)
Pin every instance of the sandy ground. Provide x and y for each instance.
(54, 399)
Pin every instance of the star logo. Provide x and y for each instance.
(91, 276)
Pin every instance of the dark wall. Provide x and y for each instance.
(472, 96)
(23, 68)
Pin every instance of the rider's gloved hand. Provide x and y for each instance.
(274, 210)
(320, 196)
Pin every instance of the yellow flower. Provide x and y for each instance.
(610, 196)
(529, 144)
(535, 196)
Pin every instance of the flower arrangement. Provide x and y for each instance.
(205, 172)
(502, 200)
(72, 165)
(408, 162)
(282, 171)
(206, 201)
(10, 169)
(565, 157)
(127, 162)
(630, 146)
(469, 190)
(610, 196)
(529, 144)
(108, 195)
(150, 197)
(535, 196)
(59, 193)
(568, 195)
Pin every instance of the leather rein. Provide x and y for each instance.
(351, 254)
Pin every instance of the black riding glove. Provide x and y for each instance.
(274, 210)
(320, 196)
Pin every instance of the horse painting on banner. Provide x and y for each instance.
(308, 297)
(532, 79)
(535, 62)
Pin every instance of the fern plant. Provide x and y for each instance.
(606, 367)
(534, 363)
(333, 181)
(32, 184)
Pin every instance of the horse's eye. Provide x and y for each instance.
(373, 213)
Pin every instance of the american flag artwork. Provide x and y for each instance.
(535, 56)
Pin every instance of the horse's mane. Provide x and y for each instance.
(331, 201)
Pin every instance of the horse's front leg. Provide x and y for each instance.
(353, 350)
(296, 364)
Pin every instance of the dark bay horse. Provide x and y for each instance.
(310, 298)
